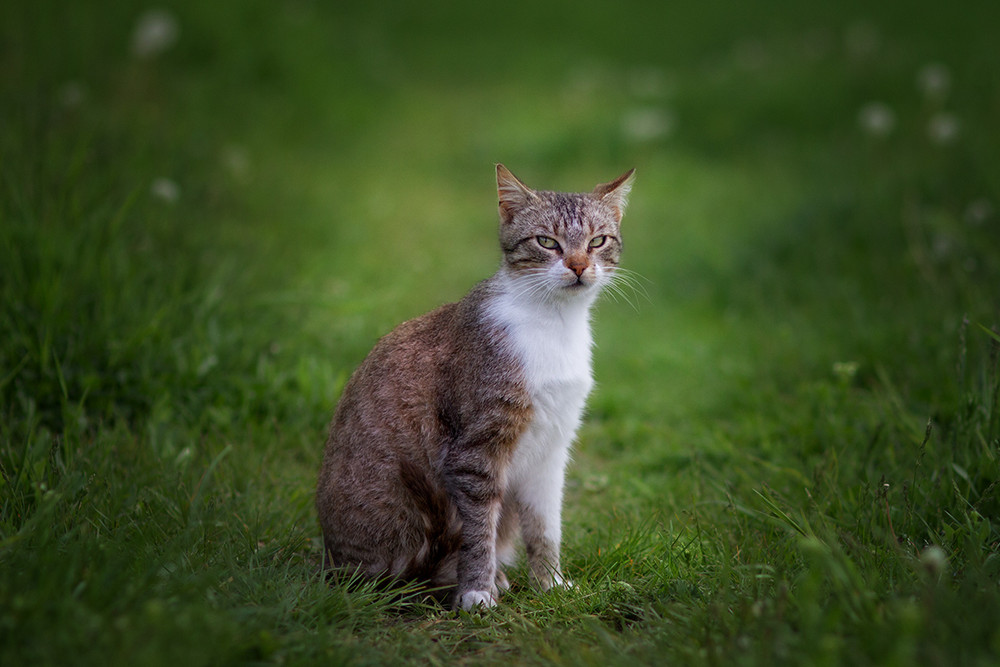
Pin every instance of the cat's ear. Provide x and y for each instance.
(616, 192)
(512, 194)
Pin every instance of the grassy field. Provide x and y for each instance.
(210, 211)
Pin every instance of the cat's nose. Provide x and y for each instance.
(577, 264)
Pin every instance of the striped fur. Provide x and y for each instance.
(451, 438)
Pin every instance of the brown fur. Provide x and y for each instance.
(413, 480)
(455, 408)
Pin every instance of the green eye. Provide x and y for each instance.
(547, 242)
(597, 241)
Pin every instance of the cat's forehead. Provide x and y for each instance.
(569, 209)
(565, 204)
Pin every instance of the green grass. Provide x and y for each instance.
(791, 456)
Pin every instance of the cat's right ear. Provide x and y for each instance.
(616, 192)
(512, 194)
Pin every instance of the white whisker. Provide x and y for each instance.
(531, 283)
(625, 283)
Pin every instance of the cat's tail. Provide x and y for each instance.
(436, 560)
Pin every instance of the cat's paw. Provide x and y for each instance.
(553, 580)
(476, 599)
(559, 581)
(501, 582)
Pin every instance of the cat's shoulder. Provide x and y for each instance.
(459, 325)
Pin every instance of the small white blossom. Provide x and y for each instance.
(647, 124)
(155, 31)
(845, 370)
(943, 128)
(165, 190)
(934, 559)
(877, 119)
(934, 81)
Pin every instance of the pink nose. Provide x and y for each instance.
(577, 265)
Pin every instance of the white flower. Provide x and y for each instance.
(647, 124)
(845, 370)
(935, 559)
(943, 128)
(877, 119)
(154, 32)
(165, 190)
(934, 81)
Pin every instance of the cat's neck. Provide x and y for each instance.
(517, 294)
(550, 334)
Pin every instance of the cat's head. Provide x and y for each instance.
(561, 244)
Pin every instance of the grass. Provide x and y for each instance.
(792, 453)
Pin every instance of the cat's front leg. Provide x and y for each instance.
(477, 567)
(476, 491)
(541, 534)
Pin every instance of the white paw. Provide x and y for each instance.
(553, 580)
(472, 599)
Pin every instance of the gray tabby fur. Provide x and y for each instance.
(430, 471)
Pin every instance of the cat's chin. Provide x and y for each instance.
(583, 284)
(578, 290)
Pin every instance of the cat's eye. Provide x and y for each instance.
(547, 242)
(597, 241)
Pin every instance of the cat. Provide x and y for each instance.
(452, 437)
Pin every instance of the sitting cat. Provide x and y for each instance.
(453, 435)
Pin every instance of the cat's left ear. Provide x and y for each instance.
(512, 194)
(616, 192)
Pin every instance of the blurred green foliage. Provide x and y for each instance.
(210, 211)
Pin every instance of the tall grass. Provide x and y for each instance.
(792, 453)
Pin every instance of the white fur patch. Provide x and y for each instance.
(472, 599)
(550, 333)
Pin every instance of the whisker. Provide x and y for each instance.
(531, 282)
(625, 283)
(615, 291)
(634, 279)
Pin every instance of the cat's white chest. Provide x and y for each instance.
(553, 344)
(555, 353)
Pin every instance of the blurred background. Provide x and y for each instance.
(341, 154)
(209, 212)
(335, 161)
